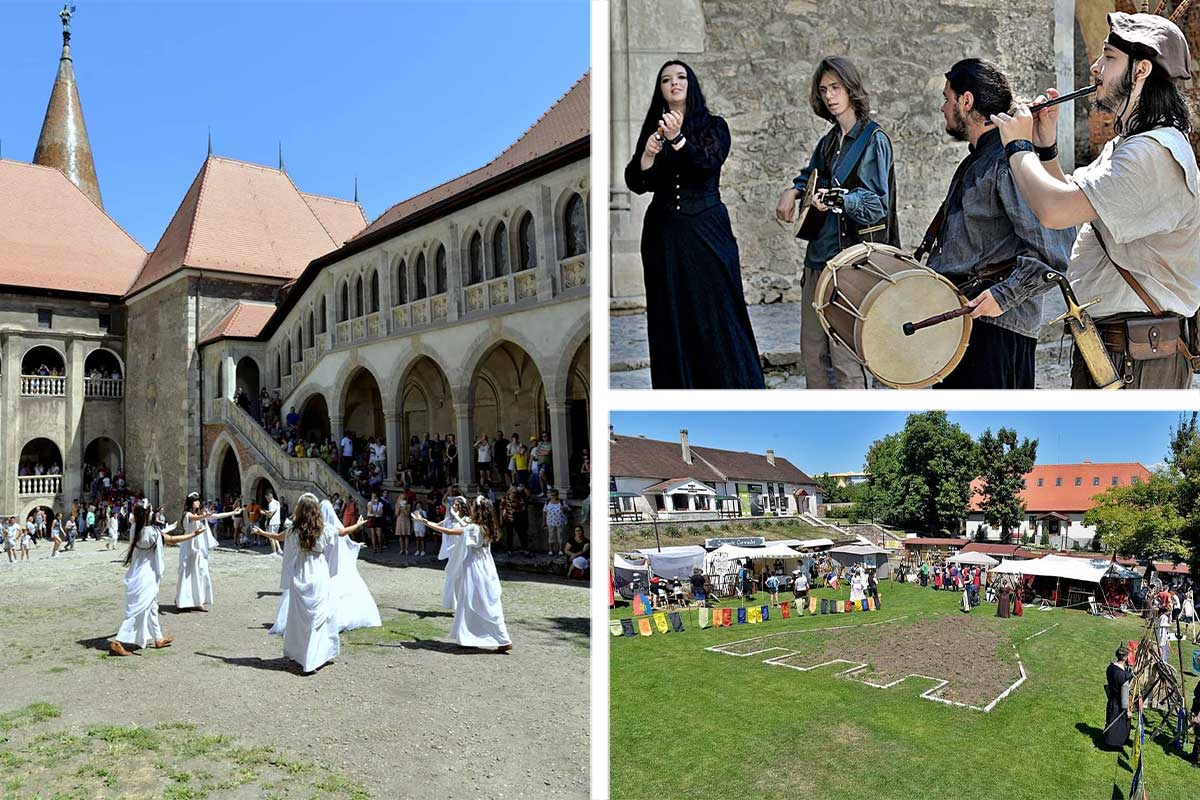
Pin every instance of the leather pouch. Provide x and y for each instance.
(1151, 338)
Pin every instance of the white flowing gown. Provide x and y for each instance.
(353, 604)
(311, 638)
(195, 584)
(285, 581)
(478, 613)
(858, 588)
(142, 580)
(450, 544)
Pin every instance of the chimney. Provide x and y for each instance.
(771, 457)
(612, 437)
(683, 444)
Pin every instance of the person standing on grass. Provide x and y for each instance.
(142, 581)
(478, 611)
(873, 588)
(773, 587)
(1187, 616)
(800, 585)
(1162, 631)
(697, 581)
(1116, 689)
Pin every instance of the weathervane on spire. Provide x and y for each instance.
(65, 16)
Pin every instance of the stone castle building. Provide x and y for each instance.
(461, 310)
(755, 61)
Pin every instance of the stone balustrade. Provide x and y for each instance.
(43, 386)
(104, 388)
(39, 485)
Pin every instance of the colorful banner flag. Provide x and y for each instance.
(812, 605)
(753, 615)
(824, 606)
(727, 617)
(741, 617)
(703, 619)
(641, 605)
(766, 613)
(840, 606)
(870, 604)
(786, 610)
(660, 622)
(614, 627)
(644, 626)
(627, 628)
(676, 622)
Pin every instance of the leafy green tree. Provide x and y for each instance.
(830, 491)
(1142, 520)
(1003, 463)
(921, 476)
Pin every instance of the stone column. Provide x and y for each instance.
(560, 455)
(455, 305)
(1064, 73)
(10, 444)
(547, 246)
(463, 427)
(73, 423)
(385, 292)
(391, 426)
(230, 372)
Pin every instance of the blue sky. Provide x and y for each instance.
(404, 94)
(826, 441)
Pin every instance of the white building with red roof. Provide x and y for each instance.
(1056, 498)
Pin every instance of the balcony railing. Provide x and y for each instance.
(526, 284)
(104, 388)
(43, 386)
(39, 485)
(343, 332)
(374, 325)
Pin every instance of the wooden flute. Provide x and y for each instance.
(1075, 95)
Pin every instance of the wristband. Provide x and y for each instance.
(677, 139)
(1018, 146)
(1046, 153)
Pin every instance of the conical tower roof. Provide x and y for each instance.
(63, 143)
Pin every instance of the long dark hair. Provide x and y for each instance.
(307, 522)
(140, 518)
(850, 77)
(695, 117)
(1160, 105)
(483, 514)
(187, 507)
(986, 83)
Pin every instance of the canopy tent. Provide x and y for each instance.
(629, 568)
(866, 555)
(805, 544)
(974, 558)
(722, 563)
(1090, 570)
(674, 562)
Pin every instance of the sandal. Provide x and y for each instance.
(163, 642)
(118, 649)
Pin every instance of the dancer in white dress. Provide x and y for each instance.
(478, 613)
(858, 587)
(311, 635)
(195, 583)
(352, 601)
(457, 510)
(142, 580)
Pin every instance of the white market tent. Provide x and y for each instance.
(630, 567)
(672, 562)
(805, 544)
(722, 563)
(974, 559)
(1090, 570)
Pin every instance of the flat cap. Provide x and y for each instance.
(1157, 34)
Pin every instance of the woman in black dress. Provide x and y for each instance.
(1116, 713)
(698, 327)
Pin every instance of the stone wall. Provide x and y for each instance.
(755, 65)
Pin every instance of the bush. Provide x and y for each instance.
(1045, 541)
(672, 531)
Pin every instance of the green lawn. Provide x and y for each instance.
(686, 722)
(671, 534)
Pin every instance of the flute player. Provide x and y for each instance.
(1137, 203)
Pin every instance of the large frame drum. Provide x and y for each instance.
(866, 293)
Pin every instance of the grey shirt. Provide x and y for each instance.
(988, 222)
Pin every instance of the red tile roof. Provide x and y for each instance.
(934, 541)
(736, 465)
(566, 122)
(634, 456)
(1171, 569)
(52, 236)
(1069, 497)
(997, 549)
(246, 219)
(244, 321)
(341, 218)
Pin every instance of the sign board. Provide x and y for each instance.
(742, 541)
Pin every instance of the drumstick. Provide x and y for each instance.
(910, 328)
(1062, 98)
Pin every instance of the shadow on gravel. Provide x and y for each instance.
(281, 664)
(563, 628)
(100, 643)
(433, 645)
(420, 614)
(261, 595)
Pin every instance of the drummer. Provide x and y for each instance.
(989, 243)
(1137, 201)
(838, 96)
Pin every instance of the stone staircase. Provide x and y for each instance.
(817, 522)
(290, 474)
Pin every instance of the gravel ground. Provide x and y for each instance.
(401, 710)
